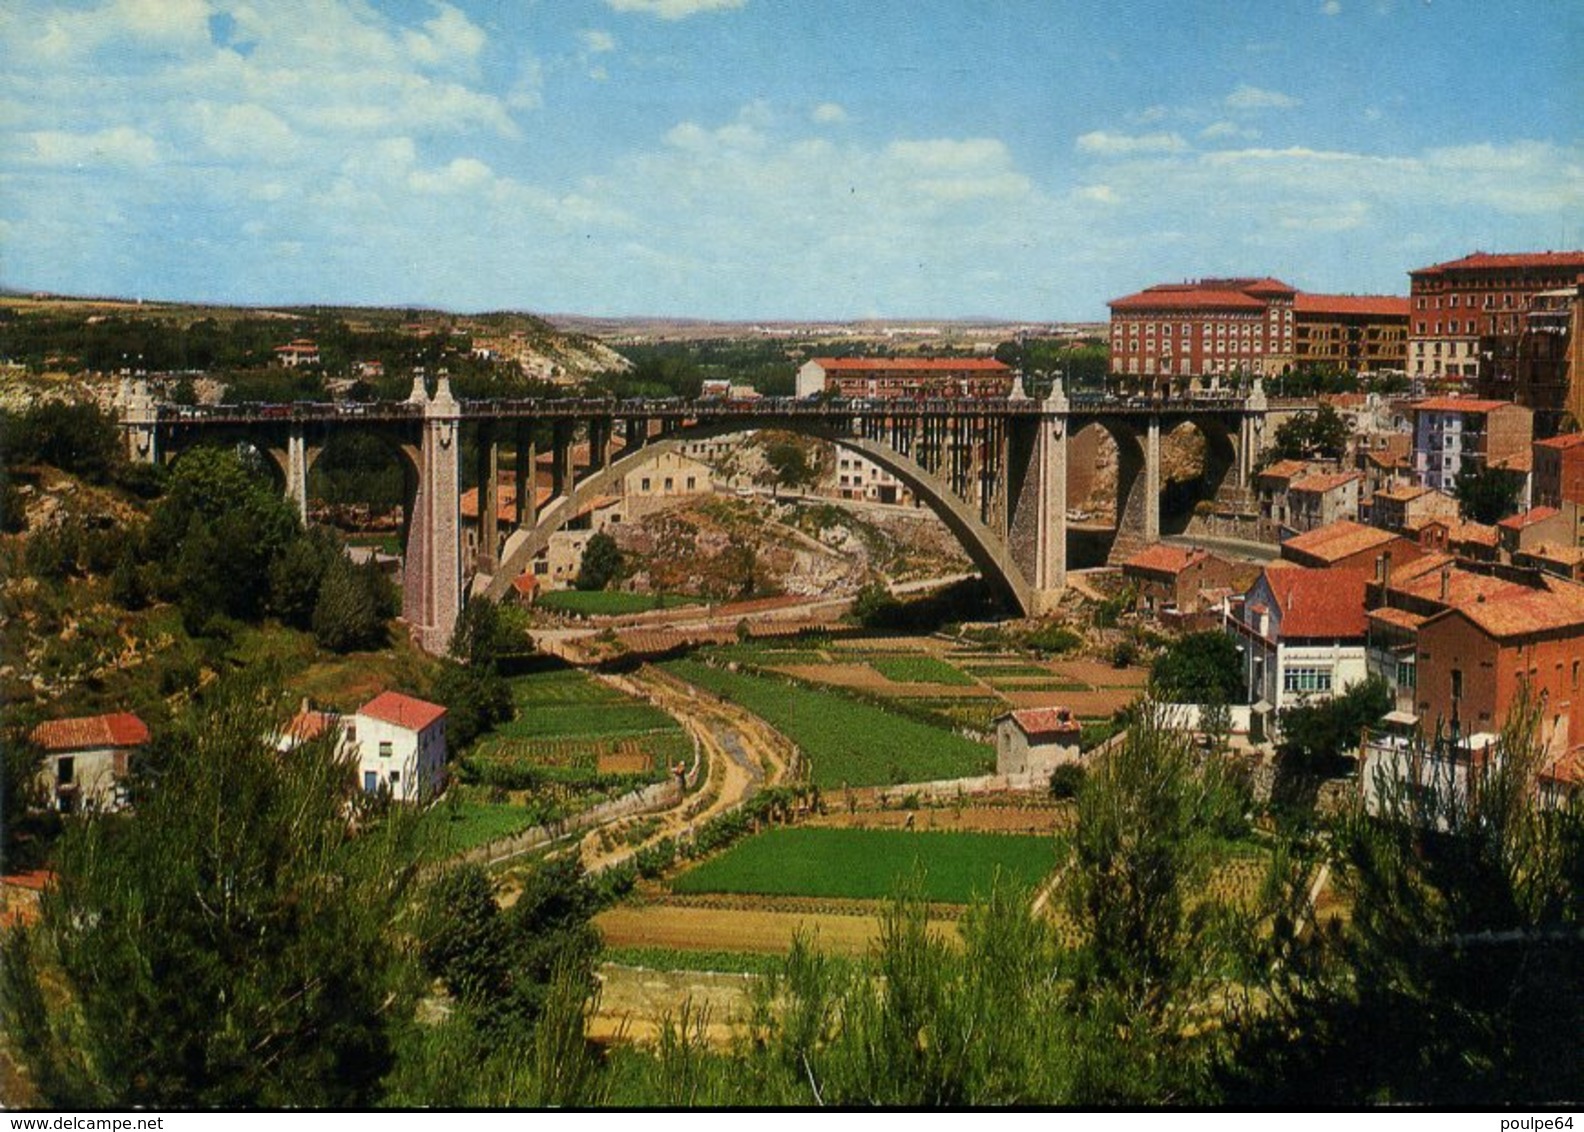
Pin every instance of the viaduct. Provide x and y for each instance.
(994, 470)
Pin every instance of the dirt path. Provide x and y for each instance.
(741, 754)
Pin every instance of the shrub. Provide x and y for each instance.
(1066, 780)
(1053, 639)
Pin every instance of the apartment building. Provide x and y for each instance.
(1211, 327)
(1453, 434)
(911, 378)
(1350, 333)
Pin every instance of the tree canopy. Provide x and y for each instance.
(1199, 668)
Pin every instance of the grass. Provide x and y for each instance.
(566, 720)
(993, 671)
(845, 741)
(611, 603)
(460, 826)
(871, 864)
(919, 670)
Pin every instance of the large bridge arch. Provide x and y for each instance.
(989, 550)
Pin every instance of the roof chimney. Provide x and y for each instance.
(1446, 581)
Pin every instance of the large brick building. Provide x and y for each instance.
(1503, 322)
(1212, 327)
(1350, 333)
(889, 378)
(1226, 327)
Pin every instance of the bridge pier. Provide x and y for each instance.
(524, 479)
(489, 498)
(432, 582)
(297, 471)
(1152, 480)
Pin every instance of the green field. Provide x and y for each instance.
(845, 741)
(611, 603)
(566, 721)
(457, 827)
(870, 864)
(907, 669)
(987, 671)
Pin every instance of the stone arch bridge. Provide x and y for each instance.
(994, 470)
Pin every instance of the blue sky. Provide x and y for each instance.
(776, 158)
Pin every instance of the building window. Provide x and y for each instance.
(386, 749)
(1406, 674)
(1306, 680)
(65, 770)
(1457, 683)
(644, 484)
(351, 733)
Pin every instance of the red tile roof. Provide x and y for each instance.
(1528, 519)
(1319, 603)
(525, 584)
(308, 725)
(1165, 558)
(945, 365)
(1563, 442)
(1341, 539)
(1522, 613)
(404, 711)
(1286, 469)
(86, 733)
(1383, 306)
(1485, 261)
(1324, 482)
(1459, 405)
(1050, 722)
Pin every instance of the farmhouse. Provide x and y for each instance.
(86, 759)
(1035, 741)
(399, 743)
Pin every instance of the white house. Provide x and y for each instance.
(1035, 741)
(1302, 634)
(399, 744)
(87, 758)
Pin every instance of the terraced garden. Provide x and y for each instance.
(573, 730)
(611, 603)
(846, 741)
(871, 864)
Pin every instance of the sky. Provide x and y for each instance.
(776, 159)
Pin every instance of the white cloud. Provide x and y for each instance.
(1331, 8)
(461, 175)
(1217, 131)
(1247, 97)
(674, 9)
(597, 42)
(1098, 194)
(1104, 144)
(447, 38)
(828, 113)
(117, 147)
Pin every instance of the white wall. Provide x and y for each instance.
(416, 758)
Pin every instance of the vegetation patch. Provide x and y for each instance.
(915, 669)
(721, 962)
(845, 741)
(870, 864)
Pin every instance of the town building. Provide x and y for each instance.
(87, 760)
(1321, 499)
(1035, 741)
(1534, 528)
(1302, 636)
(1219, 328)
(1477, 659)
(860, 478)
(399, 745)
(1271, 485)
(1350, 333)
(1457, 434)
(909, 378)
(1174, 579)
(1560, 561)
(1384, 459)
(1499, 322)
(298, 352)
(1346, 545)
(1559, 477)
(669, 476)
(1405, 510)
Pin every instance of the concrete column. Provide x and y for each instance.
(489, 499)
(599, 444)
(1050, 567)
(1152, 480)
(523, 475)
(297, 471)
(434, 573)
(139, 417)
(561, 470)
